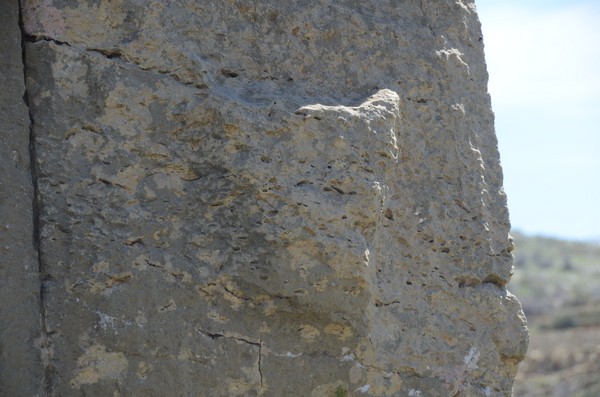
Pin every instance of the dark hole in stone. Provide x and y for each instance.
(229, 73)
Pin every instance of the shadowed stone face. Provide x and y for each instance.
(269, 199)
(21, 370)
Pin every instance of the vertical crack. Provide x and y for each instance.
(422, 6)
(260, 363)
(44, 343)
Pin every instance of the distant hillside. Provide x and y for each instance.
(558, 283)
(552, 274)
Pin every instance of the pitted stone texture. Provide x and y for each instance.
(270, 199)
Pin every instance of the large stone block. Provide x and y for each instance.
(269, 198)
(21, 338)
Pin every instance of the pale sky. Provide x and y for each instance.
(543, 58)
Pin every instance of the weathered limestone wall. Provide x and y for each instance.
(263, 199)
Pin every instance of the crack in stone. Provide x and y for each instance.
(259, 344)
(422, 7)
(116, 54)
(44, 342)
(112, 54)
(30, 38)
(234, 294)
(402, 372)
(260, 363)
(379, 303)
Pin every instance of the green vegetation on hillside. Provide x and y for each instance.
(552, 274)
(558, 283)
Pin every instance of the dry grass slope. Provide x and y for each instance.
(559, 285)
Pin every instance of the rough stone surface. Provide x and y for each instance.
(20, 366)
(269, 199)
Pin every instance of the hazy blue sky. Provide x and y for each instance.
(544, 63)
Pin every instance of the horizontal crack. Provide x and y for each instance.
(218, 335)
(30, 38)
(379, 303)
(108, 53)
(473, 282)
(114, 54)
(402, 372)
(259, 343)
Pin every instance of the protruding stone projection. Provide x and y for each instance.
(269, 199)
